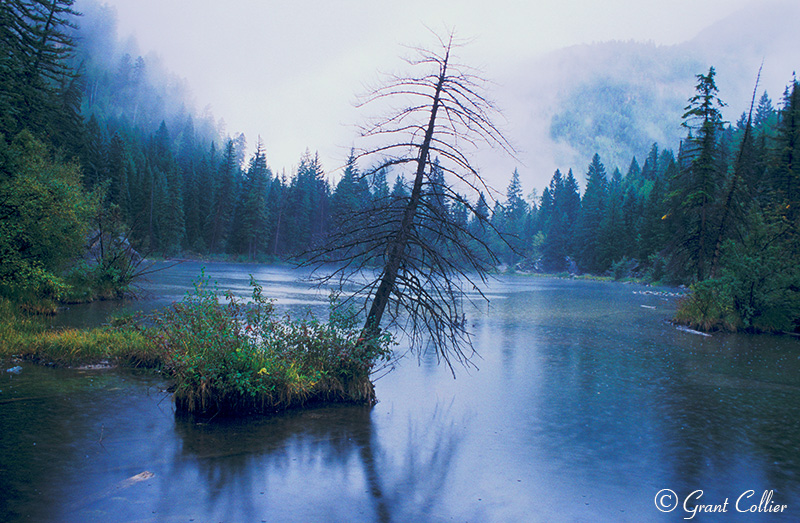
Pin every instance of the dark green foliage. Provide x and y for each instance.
(762, 273)
(559, 210)
(44, 218)
(38, 90)
(709, 307)
(785, 170)
(758, 288)
(307, 198)
(724, 215)
(251, 219)
(699, 179)
(174, 187)
(590, 218)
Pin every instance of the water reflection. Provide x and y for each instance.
(324, 464)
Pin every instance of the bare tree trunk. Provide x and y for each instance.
(398, 246)
(427, 257)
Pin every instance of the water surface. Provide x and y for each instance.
(585, 403)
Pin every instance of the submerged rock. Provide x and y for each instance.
(14, 370)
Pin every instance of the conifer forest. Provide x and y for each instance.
(91, 143)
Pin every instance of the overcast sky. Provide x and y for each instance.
(290, 71)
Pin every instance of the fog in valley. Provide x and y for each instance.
(571, 80)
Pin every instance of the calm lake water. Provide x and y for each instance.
(585, 404)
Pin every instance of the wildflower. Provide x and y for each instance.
(262, 371)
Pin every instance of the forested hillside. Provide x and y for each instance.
(721, 213)
(99, 140)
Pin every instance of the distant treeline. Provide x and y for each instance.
(723, 209)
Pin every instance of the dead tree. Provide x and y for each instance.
(406, 256)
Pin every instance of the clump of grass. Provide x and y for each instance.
(28, 336)
(230, 357)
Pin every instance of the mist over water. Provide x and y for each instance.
(585, 403)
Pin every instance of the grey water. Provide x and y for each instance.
(585, 405)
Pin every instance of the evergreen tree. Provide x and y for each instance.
(516, 207)
(479, 219)
(308, 201)
(277, 211)
(205, 198)
(785, 170)
(119, 169)
(515, 211)
(37, 88)
(650, 164)
(591, 216)
(168, 195)
(352, 193)
(655, 233)
(94, 158)
(559, 221)
(764, 111)
(696, 188)
(250, 227)
(612, 234)
(380, 186)
(224, 198)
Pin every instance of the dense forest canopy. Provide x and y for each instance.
(97, 139)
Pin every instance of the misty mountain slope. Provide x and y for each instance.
(618, 98)
(122, 85)
(631, 95)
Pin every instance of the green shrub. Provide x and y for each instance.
(759, 285)
(708, 307)
(765, 278)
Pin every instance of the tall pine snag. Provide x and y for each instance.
(411, 260)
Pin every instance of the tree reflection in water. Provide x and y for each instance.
(326, 463)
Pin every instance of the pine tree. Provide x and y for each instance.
(612, 234)
(480, 217)
(380, 186)
(699, 177)
(250, 223)
(559, 210)
(351, 194)
(764, 111)
(516, 207)
(785, 170)
(308, 201)
(119, 168)
(591, 215)
(93, 159)
(225, 191)
(277, 210)
(38, 89)
(651, 164)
